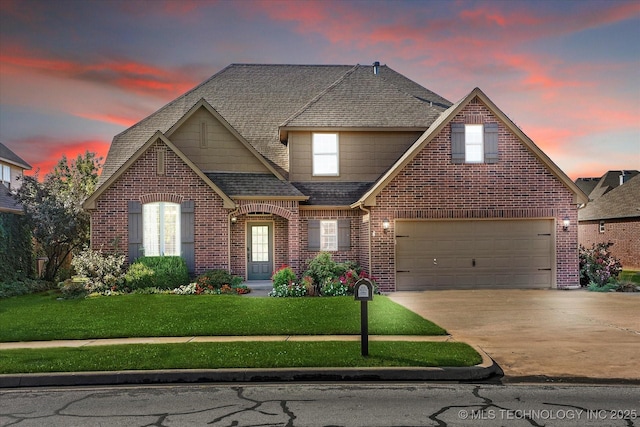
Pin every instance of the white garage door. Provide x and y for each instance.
(476, 254)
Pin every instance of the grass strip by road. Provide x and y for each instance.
(44, 317)
(237, 355)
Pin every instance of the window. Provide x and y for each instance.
(5, 175)
(329, 235)
(474, 144)
(161, 229)
(325, 154)
(601, 227)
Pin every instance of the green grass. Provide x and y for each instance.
(43, 317)
(630, 276)
(237, 355)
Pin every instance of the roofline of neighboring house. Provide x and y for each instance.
(369, 198)
(90, 203)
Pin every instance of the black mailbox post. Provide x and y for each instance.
(363, 292)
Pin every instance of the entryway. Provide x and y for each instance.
(260, 251)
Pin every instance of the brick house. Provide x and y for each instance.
(612, 215)
(265, 165)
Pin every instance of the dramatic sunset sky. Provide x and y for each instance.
(75, 73)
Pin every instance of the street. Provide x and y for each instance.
(328, 404)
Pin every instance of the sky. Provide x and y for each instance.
(74, 73)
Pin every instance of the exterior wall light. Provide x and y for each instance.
(234, 220)
(565, 223)
(385, 225)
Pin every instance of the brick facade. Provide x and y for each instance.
(518, 186)
(623, 232)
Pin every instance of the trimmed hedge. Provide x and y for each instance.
(163, 272)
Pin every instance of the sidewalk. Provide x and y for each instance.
(487, 369)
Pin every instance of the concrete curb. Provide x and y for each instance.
(487, 369)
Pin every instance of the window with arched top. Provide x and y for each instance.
(161, 229)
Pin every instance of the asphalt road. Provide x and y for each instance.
(365, 404)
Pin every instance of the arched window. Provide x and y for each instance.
(161, 229)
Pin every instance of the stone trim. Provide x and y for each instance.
(161, 197)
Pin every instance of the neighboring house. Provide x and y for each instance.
(12, 168)
(613, 215)
(266, 165)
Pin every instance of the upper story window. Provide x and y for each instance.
(325, 154)
(161, 229)
(474, 144)
(5, 175)
(601, 227)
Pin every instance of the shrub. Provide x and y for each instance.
(218, 278)
(334, 288)
(168, 271)
(288, 290)
(22, 287)
(103, 272)
(284, 276)
(139, 276)
(598, 265)
(74, 288)
(323, 268)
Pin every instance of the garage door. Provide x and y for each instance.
(474, 254)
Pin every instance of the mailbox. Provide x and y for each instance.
(363, 290)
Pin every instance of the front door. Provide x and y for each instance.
(260, 251)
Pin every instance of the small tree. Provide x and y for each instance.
(598, 265)
(54, 211)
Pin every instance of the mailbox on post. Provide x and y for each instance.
(363, 292)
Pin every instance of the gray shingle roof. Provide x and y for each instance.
(333, 193)
(256, 99)
(7, 202)
(10, 157)
(621, 202)
(251, 184)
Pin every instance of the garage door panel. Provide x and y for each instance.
(507, 254)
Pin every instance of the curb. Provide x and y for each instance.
(487, 369)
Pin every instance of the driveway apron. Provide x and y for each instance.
(548, 333)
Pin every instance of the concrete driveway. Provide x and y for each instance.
(541, 333)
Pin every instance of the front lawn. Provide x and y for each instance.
(43, 317)
(237, 355)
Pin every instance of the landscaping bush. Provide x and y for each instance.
(289, 290)
(168, 271)
(74, 288)
(16, 249)
(103, 272)
(22, 287)
(139, 276)
(218, 278)
(284, 276)
(598, 266)
(334, 288)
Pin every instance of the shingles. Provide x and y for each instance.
(256, 99)
(621, 202)
(7, 202)
(248, 184)
(333, 193)
(11, 157)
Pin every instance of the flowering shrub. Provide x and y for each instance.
(288, 290)
(197, 289)
(334, 288)
(598, 266)
(283, 276)
(218, 278)
(103, 272)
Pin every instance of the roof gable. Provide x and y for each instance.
(8, 156)
(368, 198)
(90, 203)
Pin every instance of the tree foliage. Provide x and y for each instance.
(53, 208)
(16, 248)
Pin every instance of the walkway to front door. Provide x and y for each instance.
(260, 251)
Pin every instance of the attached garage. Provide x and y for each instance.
(474, 254)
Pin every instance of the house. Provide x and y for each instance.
(265, 165)
(612, 215)
(12, 167)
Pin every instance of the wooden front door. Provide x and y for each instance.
(260, 251)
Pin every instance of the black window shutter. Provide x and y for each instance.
(491, 143)
(344, 234)
(134, 226)
(457, 142)
(187, 234)
(313, 234)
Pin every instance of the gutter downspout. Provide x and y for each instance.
(368, 212)
(231, 214)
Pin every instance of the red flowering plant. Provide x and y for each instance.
(351, 277)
